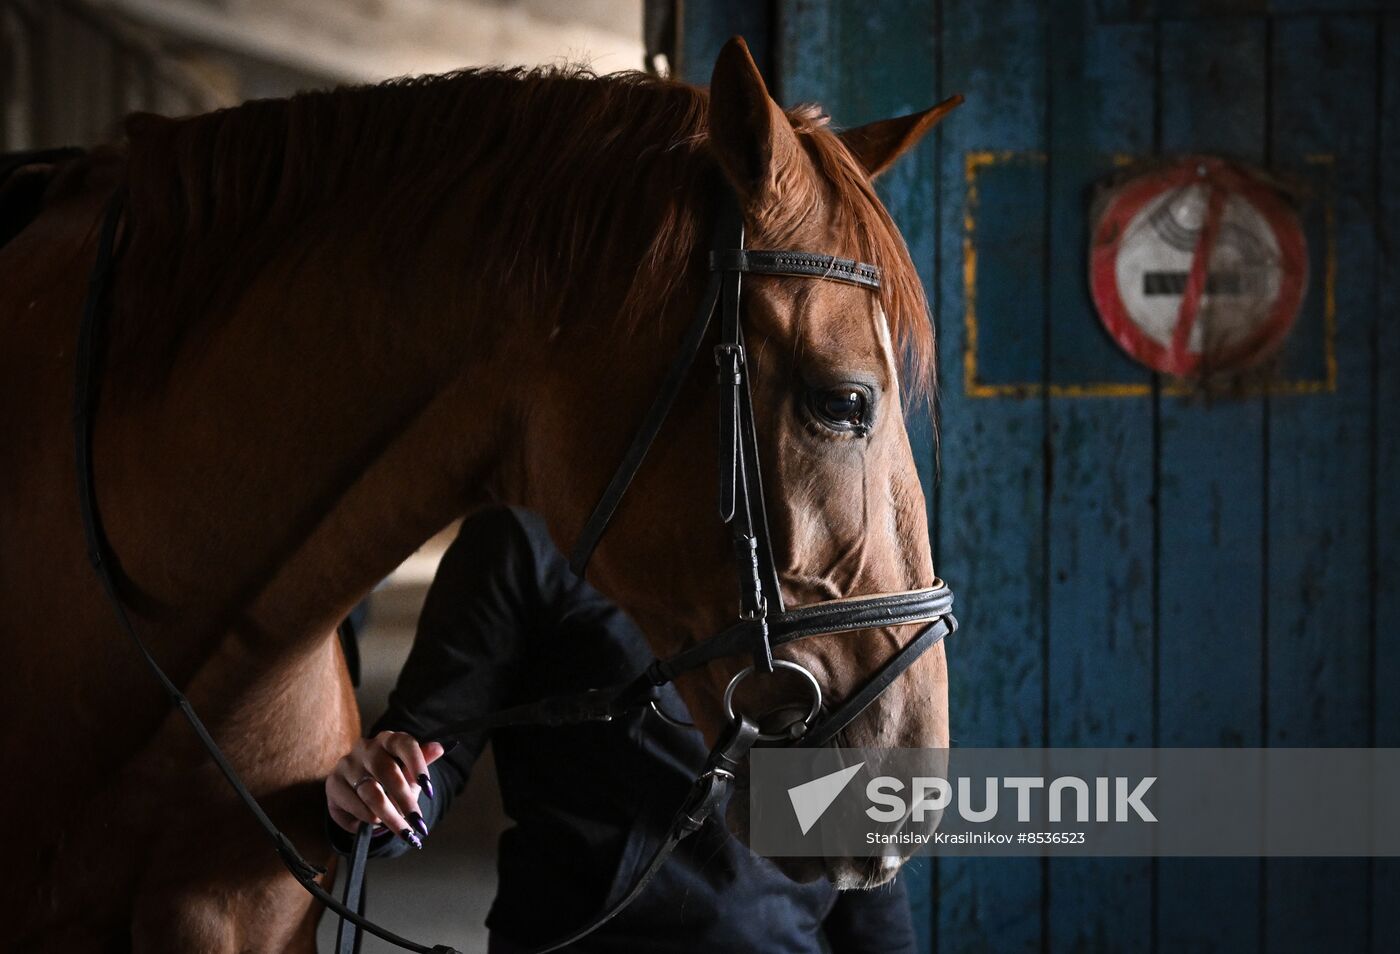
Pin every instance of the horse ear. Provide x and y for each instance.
(877, 145)
(750, 136)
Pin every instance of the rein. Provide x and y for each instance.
(763, 624)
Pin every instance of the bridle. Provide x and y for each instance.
(764, 622)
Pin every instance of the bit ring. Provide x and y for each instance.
(807, 721)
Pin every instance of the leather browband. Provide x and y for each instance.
(797, 264)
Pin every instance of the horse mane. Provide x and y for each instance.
(579, 168)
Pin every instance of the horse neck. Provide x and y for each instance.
(296, 451)
(308, 441)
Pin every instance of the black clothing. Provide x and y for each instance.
(505, 623)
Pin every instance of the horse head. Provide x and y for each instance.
(834, 366)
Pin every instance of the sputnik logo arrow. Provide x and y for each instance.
(810, 800)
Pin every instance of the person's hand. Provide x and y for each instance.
(378, 783)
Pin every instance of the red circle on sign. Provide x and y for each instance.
(1222, 181)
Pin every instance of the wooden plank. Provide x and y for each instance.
(804, 53)
(1100, 545)
(1385, 632)
(1305, 356)
(1319, 465)
(706, 27)
(864, 64)
(990, 506)
(1291, 7)
(1196, 11)
(1214, 81)
(1125, 11)
(1007, 235)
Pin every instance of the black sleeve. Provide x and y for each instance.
(483, 605)
(876, 921)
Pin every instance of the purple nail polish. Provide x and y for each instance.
(427, 785)
(449, 746)
(408, 836)
(419, 825)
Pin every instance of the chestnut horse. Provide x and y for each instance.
(340, 321)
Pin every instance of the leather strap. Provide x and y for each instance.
(828, 728)
(742, 506)
(707, 793)
(350, 647)
(768, 568)
(832, 616)
(933, 606)
(728, 259)
(86, 391)
(650, 426)
(593, 705)
(347, 934)
(797, 264)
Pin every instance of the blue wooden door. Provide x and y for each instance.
(1137, 565)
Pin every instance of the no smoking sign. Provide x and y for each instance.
(1197, 267)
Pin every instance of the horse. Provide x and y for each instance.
(338, 322)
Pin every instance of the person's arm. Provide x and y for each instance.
(466, 659)
(874, 921)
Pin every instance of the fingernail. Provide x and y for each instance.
(449, 746)
(416, 820)
(408, 836)
(427, 785)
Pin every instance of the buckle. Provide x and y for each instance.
(729, 358)
(709, 790)
(759, 614)
(705, 796)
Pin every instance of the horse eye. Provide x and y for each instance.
(846, 408)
